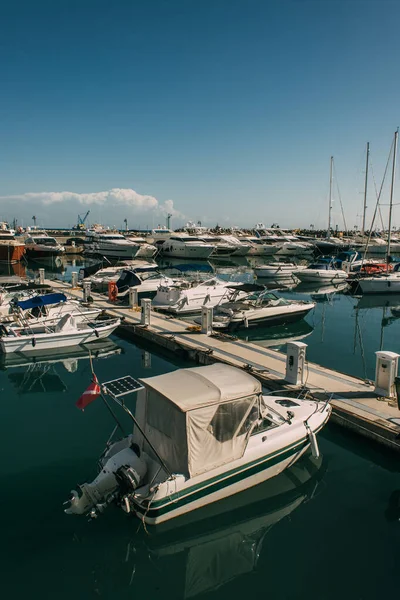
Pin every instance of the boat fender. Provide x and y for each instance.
(313, 442)
(126, 507)
(112, 291)
(33, 342)
(96, 333)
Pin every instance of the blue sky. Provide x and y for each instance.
(225, 111)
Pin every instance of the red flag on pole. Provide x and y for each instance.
(90, 394)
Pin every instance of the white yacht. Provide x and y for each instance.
(240, 247)
(200, 435)
(381, 284)
(290, 245)
(145, 279)
(49, 309)
(277, 270)
(41, 336)
(41, 246)
(221, 246)
(181, 245)
(101, 278)
(145, 250)
(190, 297)
(322, 272)
(259, 306)
(259, 247)
(109, 244)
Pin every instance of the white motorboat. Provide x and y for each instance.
(382, 283)
(110, 244)
(145, 250)
(190, 297)
(40, 246)
(221, 246)
(145, 279)
(186, 246)
(259, 306)
(49, 308)
(322, 272)
(67, 332)
(259, 247)
(101, 278)
(200, 435)
(277, 270)
(241, 247)
(289, 244)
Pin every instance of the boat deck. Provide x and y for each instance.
(355, 405)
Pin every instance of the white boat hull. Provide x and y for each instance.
(191, 252)
(186, 301)
(320, 276)
(270, 315)
(255, 467)
(47, 341)
(274, 271)
(389, 284)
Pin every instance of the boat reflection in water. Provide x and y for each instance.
(272, 337)
(39, 374)
(283, 283)
(321, 293)
(379, 301)
(224, 541)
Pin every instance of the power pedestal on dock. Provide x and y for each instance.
(146, 312)
(386, 371)
(133, 297)
(207, 317)
(87, 287)
(295, 363)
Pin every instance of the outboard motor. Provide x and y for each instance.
(120, 476)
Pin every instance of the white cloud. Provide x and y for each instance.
(110, 198)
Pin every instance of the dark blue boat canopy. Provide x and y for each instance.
(41, 301)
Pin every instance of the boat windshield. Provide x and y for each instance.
(43, 241)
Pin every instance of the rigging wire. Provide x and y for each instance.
(376, 193)
(340, 198)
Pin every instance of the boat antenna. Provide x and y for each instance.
(365, 191)
(396, 135)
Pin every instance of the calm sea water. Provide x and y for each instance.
(325, 529)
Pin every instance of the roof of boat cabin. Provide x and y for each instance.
(189, 389)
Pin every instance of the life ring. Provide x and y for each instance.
(112, 291)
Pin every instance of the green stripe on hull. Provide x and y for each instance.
(217, 483)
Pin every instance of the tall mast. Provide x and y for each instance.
(396, 135)
(365, 191)
(330, 200)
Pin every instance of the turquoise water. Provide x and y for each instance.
(323, 530)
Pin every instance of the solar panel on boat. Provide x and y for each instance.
(122, 386)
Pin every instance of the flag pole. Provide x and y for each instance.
(103, 398)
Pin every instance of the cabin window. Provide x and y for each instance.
(233, 419)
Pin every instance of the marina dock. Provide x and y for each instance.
(355, 404)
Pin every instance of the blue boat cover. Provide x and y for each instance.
(41, 301)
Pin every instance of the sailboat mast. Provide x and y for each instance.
(365, 191)
(330, 200)
(396, 135)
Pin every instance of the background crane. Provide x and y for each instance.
(81, 221)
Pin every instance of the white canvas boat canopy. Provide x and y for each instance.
(199, 419)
